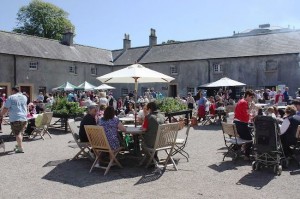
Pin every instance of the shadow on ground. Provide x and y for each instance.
(257, 179)
(212, 127)
(76, 172)
(229, 165)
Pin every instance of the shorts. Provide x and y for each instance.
(18, 127)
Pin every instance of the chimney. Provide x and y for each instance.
(126, 42)
(67, 38)
(267, 25)
(152, 38)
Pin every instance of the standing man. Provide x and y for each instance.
(286, 95)
(241, 119)
(16, 104)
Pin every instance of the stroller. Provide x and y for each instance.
(267, 146)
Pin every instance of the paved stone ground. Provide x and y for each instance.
(45, 171)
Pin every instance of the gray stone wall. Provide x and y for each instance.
(253, 71)
(50, 73)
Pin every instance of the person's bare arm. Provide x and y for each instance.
(121, 127)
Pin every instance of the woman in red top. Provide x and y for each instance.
(212, 106)
(279, 97)
(241, 119)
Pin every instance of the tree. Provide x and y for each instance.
(43, 19)
(170, 42)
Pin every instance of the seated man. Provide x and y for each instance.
(154, 119)
(88, 119)
(288, 129)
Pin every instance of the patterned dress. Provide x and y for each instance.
(111, 131)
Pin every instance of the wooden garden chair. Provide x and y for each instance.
(100, 144)
(165, 141)
(83, 146)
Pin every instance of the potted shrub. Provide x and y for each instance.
(169, 104)
(64, 109)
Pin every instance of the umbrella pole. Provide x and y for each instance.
(135, 99)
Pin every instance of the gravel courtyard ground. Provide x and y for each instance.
(46, 171)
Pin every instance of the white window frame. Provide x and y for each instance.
(190, 90)
(73, 69)
(33, 65)
(217, 68)
(93, 70)
(174, 70)
(124, 91)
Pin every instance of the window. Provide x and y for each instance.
(217, 68)
(93, 70)
(73, 69)
(173, 70)
(124, 91)
(271, 66)
(190, 90)
(33, 65)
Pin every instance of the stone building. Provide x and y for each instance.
(260, 57)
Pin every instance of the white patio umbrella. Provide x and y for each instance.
(135, 73)
(86, 86)
(223, 82)
(104, 87)
(65, 87)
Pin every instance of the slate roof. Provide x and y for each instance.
(26, 45)
(241, 46)
(130, 56)
(235, 46)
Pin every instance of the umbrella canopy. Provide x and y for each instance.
(86, 86)
(135, 73)
(65, 87)
(104, 87)
(223, 82)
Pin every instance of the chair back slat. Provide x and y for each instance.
(166, 135)
(97, 137)
(229, 129)
(74, 129)
(48, 119)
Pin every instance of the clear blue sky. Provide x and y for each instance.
(102, 23)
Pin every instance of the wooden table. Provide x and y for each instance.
(126, 119)
(184, 112)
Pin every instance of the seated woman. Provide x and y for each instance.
(111, 125)
(288, 129)
(130, 109)
(31, 121)
(142, 114)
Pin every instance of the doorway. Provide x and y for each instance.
(26, 89)
(173, 90)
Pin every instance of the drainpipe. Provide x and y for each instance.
(208, 63)
(15, 70)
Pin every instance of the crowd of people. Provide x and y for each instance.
(289, 119)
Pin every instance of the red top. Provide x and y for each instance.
(145, 123)
(277, 96)
(241, 111)
(212, 109)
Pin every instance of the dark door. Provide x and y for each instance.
(173, 91)
(27, 90)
